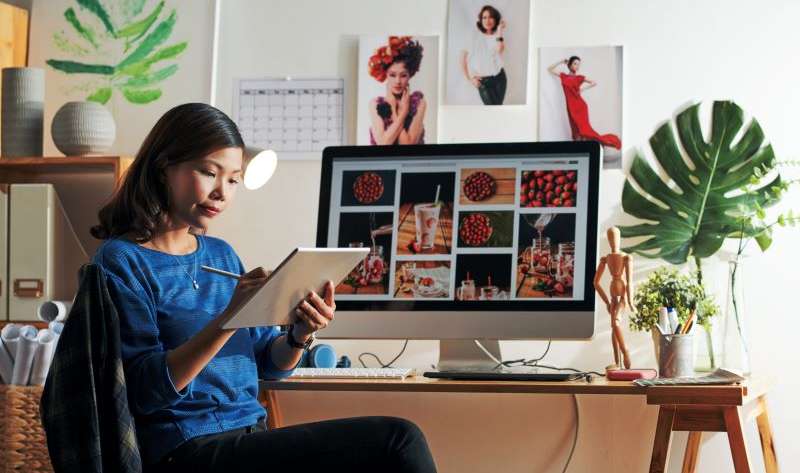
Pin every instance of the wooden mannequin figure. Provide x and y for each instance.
(619, 265)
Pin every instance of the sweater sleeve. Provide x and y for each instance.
(144, 359)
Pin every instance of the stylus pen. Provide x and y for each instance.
(220, 271)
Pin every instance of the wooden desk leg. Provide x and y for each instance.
(765, 432)
(733, 424)
(692, 450)
(269, 399)
(663, 438)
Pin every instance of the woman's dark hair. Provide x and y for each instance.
(572, 59)
(494, 13)
(186, 132)
(410, 55)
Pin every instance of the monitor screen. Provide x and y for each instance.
(508, 227)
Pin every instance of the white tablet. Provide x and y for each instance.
(303, 271)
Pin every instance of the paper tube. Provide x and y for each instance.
(55, 327)
(53, 310)
(43, 356)
(10, 337)
(6, 364)
(23, 360)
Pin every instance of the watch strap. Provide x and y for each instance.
(296, 344)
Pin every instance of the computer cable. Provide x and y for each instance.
(575, 436)
(534, 362)
(380, 362)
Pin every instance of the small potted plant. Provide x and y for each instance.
(666, 287)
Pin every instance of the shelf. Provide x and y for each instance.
(83, 184)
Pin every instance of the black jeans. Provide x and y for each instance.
(359, 444)
(493, 88)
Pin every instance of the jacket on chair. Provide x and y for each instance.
(84, 406)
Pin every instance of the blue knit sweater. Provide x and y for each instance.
(159, 309)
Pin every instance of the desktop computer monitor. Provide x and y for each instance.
(494, 241)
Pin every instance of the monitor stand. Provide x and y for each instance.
(466, 355)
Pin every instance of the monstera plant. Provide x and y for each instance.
(699, 202)
(710, 190)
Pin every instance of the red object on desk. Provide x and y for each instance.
(631, 374)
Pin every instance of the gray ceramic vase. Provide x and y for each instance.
(22, 113)
(81, 128)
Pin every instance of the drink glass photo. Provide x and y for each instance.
(426, 219)
(467, 290)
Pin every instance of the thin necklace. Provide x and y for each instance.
(194, 279)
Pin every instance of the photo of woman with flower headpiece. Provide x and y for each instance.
(487, 52)
(398, 112)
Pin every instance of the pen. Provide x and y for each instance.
(220, 271)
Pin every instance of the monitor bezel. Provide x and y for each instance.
(546, 149)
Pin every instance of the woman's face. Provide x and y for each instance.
(397, 78)
(487, 21)
(575, 65)
(199, 186)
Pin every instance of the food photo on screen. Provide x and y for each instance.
(371, 230)
(546, 255)
(426, 213)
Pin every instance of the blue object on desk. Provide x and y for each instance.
(320, 356)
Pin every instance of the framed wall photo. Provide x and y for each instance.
(580, 97)
(398, 81)
(138, 58)
(487, 52)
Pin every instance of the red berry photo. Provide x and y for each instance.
(487, 186)
(548, 188)
(374, 187)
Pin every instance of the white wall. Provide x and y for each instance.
(675, 52)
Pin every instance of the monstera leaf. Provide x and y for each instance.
(700, 204)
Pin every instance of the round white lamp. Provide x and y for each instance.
(260, 167)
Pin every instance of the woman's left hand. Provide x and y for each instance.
(502, 27)
(315, 312)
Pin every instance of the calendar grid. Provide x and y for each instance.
(297, 115)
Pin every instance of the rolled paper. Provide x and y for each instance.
(56, 327)
(54, 310)
(10, 337)
(6, 364)
(44, 354)
(23, 360)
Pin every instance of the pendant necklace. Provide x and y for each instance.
(194, 279)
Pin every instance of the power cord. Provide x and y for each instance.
(574, 437)
(534, 362)
(380, 362)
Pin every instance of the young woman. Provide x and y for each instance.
(482, 65)
(192, 385)
(398, 117)
(577, 110)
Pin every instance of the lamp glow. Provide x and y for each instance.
(261, 166)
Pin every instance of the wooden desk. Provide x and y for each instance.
(695, 409)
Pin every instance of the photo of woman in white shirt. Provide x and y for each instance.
(482, 64)
(487, 52)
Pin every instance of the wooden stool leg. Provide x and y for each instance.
(692, 450)
(663, 438)
(269, 399)
(765, 432)
(733, 424)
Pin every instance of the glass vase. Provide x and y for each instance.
(735, 349)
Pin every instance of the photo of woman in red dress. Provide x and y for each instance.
(577, 109)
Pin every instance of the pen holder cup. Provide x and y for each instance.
(676, 355)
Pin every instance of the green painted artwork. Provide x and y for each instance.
(119, 48)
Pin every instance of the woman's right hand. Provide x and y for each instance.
(247, 286)
(404, 104)
(476, 81)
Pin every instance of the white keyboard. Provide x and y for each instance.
(394, 373)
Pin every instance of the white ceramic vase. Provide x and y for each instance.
(22, 113)
(81, 128)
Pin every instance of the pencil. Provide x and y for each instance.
(689, 322)
(220, 271)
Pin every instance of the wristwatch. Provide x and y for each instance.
(293, 341)
(500, 38)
